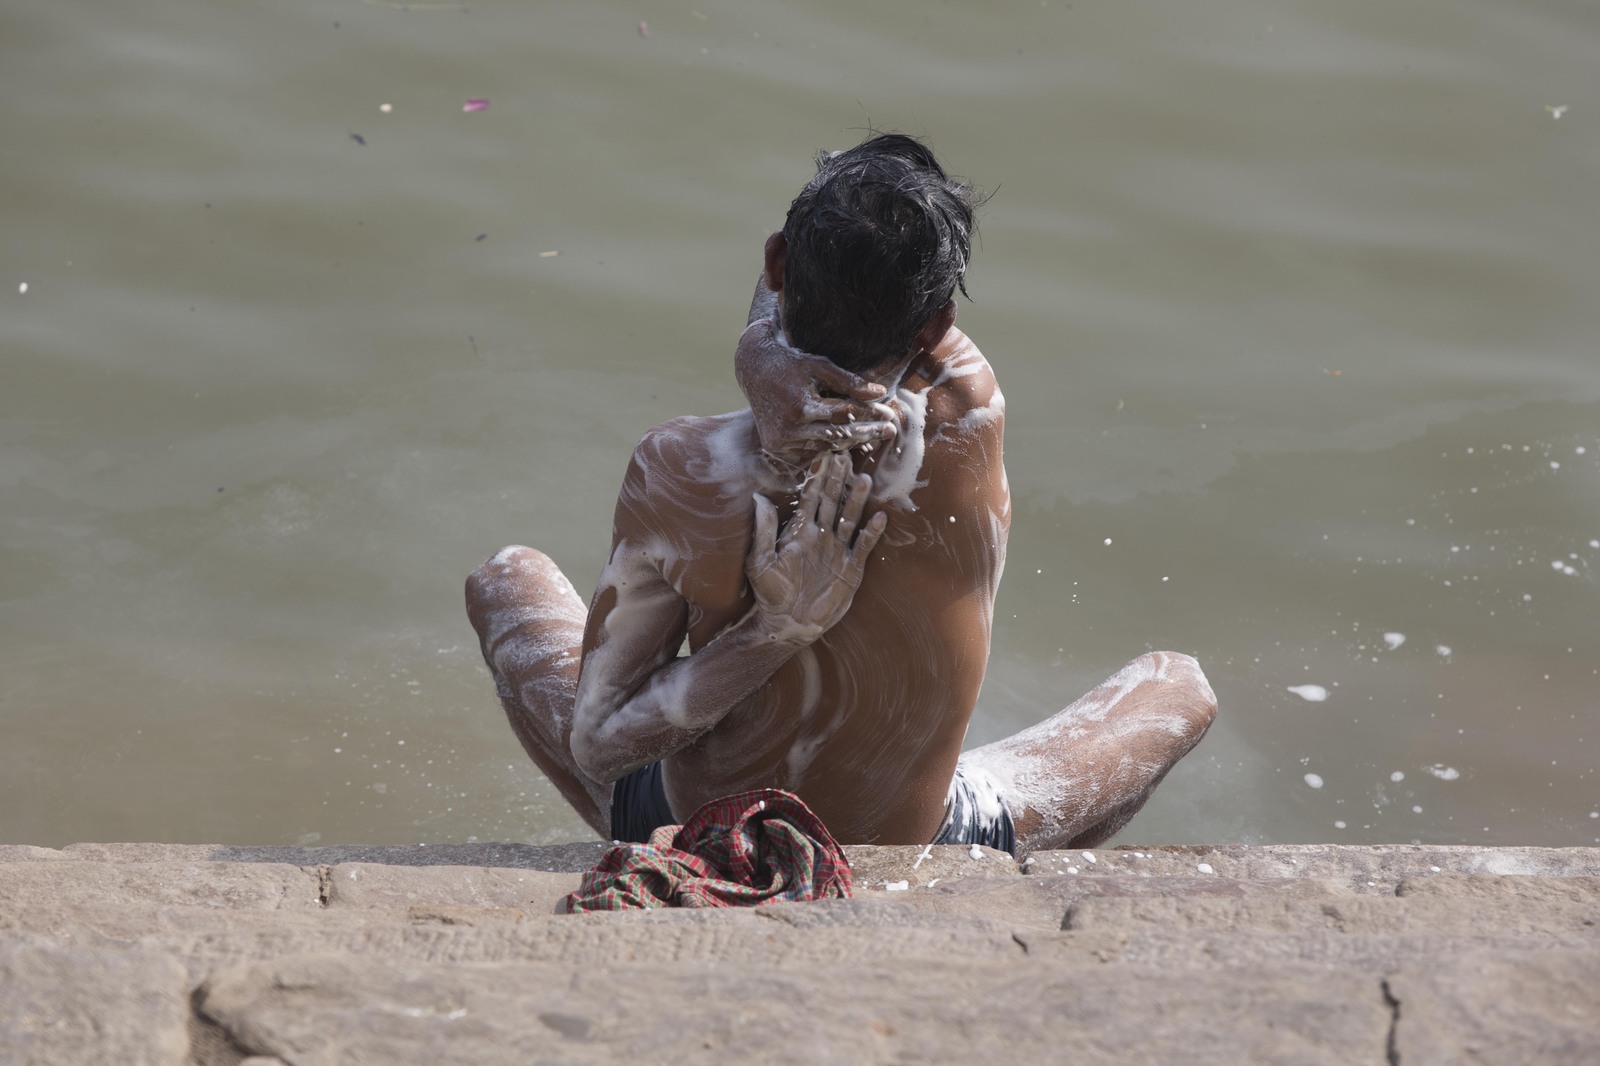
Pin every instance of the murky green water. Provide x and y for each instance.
(1295, 305)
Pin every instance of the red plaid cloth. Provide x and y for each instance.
(739, 851)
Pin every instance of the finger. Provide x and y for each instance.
(764, 553)
(842, 437)
(850, 512)
(833, 486)
(855, 501)
(811, 492)
(765, 522)
(836, 378)
(867, 539)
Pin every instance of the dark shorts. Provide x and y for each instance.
(970, 820)
(639, 807)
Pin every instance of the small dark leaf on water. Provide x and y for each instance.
(358, 138)
(480, 236)
(219, 488)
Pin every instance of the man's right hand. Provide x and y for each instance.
(804, 403)
(805, 577)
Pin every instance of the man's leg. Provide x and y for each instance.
(1075, 779)
(530, 625)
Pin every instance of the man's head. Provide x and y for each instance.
(873, 250)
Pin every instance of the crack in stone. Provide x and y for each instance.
(324, 884)
(1392, 1046)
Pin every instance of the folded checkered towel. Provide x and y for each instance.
(739, 851)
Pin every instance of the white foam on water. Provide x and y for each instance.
(1443, 649)
(1394, 640)
(1314, 780)
(1338, 824)
(1397, 776)
(1310, 693)
(1442, 772)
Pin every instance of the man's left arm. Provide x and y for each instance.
(636, 703)
(804, 403)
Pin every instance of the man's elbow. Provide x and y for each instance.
(595, 758)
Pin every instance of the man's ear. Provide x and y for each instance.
(929, 336)
(777, 254)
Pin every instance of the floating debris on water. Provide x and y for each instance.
(1557, 110)
(1314, 780)
(475, 104)
(1442, 772)
(1394, 640)
(1310, 693)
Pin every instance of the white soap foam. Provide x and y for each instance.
(1310, 693)
(1314, 780)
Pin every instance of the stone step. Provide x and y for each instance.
(1382, 864)
(323, 1008)
(454, 954)
(1375, 915)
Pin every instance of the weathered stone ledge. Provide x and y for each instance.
(203, 955)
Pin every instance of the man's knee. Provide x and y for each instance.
(1185, 690)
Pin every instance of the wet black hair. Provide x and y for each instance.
(878, 242)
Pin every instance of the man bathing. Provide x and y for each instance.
(831, 555)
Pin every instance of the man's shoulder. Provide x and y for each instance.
(961, 385)
(692, 470)
(726, 440)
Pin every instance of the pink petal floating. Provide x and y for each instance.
(475, 104)
(644, 31)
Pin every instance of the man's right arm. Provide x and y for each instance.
(637, 702)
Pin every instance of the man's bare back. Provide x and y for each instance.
(864, 724)
(834, 579)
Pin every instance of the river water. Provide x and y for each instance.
(1295, 305)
